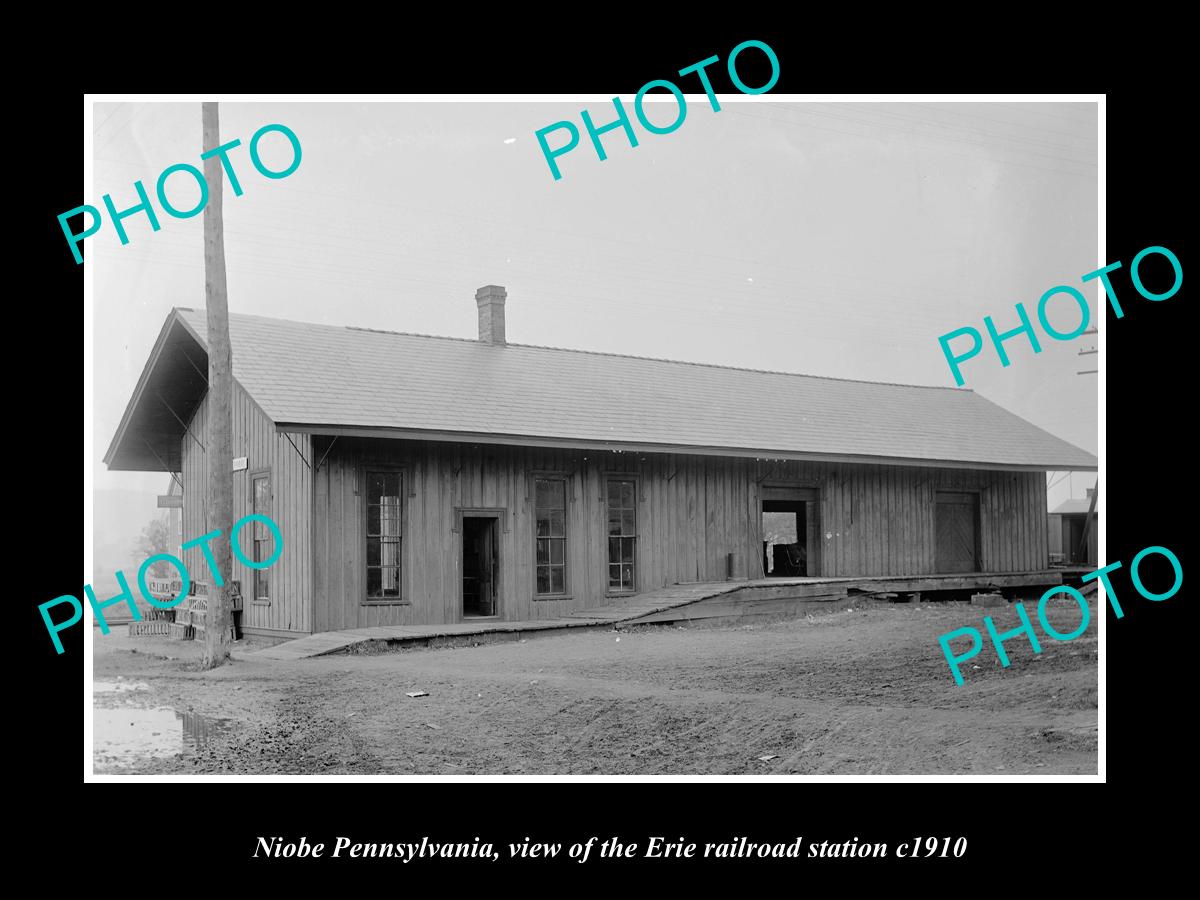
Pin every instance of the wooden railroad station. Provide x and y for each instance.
(425, 480)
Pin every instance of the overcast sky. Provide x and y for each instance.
(830, 239)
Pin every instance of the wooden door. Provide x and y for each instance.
(487, 568)
(957, 532)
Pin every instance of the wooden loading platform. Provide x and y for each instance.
(724, 600)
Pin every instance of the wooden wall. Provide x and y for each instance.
(692, 511)
(1069, 527)
(879, 520)
(1055, 533)
(255, 438)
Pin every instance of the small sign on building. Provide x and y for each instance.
(239, 463)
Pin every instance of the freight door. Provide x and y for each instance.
(957, 532)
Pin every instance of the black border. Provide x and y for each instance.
(1007, 824)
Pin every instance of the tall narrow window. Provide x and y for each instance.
(263, 542)
(383, 535)
(550, 512)
(622, 535)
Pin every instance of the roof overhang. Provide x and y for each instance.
(464, 437)
(171, 387)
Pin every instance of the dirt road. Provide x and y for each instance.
(861, 691)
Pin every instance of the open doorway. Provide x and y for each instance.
(787, 538)
(480, 566)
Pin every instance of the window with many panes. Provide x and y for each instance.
(260, 500)
(383, 535)
(622, 534)
(550, 514)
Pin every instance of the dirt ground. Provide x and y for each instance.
(865, 690)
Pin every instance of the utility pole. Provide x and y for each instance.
(218, 616)
(1090, 352)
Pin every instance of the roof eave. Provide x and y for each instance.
(135, 398)
(148, 370)
(464, 437)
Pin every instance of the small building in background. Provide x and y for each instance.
(1069, 545)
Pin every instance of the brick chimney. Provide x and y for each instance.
(490, 299)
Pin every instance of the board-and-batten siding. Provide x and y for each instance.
(692, 512)
(255, 438)
(879, 520)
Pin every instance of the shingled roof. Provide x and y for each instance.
(334, 379)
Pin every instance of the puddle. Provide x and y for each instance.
(126, 736)
(118, 686)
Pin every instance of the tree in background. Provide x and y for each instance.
(156, 538)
